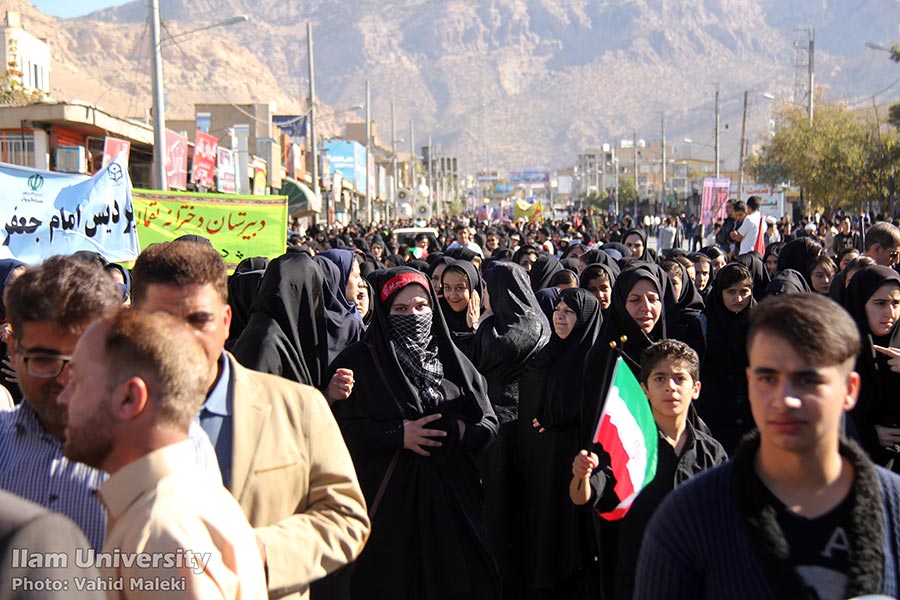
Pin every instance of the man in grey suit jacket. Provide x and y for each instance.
(38, 554)
(279, 448)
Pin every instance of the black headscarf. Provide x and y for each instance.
(590, 272)
(727, 332)
(879, 384)
(757, 267)
(787, 281)
(797, 255)
(640, 233)
(565, 380)
(286, 331)
(455, 367)
(419, 265)
(7, 266)
(242, 288)
(395, 259)
(616, 324)
(125, 286)
(252, 263)
(543, 269)
(342, 320)
(456, 321)
(522, 251)
(601, 257)
(547, 299)
(461, 253)
(515, 330)
(689, 302)
(619, 323)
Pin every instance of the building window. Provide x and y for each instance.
(17, 149)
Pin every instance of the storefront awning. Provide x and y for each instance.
(302, 201)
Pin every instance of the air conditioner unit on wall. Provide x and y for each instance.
(71, 159)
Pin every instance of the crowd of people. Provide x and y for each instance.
(368, 416)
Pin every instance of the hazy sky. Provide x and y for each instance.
(67, 8)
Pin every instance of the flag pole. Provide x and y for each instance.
(610, 369)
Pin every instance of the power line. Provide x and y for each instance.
(135, 56)
(196, 69)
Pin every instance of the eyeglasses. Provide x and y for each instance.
(894, 254)
(43, 365)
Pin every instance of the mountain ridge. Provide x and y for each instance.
(499, 83)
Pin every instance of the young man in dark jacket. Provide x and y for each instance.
(798, 512)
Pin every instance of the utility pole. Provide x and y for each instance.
(740, 190)
(159, 100)
(393, 201)
(635, 174)
(313, 142)
(368, 154)
(717, 130)
(412, 158)
(662, 202)
(812, 72)
(430, 177)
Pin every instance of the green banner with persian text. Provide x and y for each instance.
(237, 226)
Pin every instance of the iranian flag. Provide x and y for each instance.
(627, 432)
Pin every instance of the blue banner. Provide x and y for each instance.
(46, 213)
(292, 125)
(349, 159)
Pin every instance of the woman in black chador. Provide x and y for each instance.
(416, 418)
(720, 339)
(285, 334)
(556, 540)
(874, 302)
(506, 341)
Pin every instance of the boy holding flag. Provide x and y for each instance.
(642, 451)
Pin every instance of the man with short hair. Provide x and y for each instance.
(279, 448)
(799, 512)
(463, 241)
(751, 220)
(133, 386)
(49, 307)
(883, 243)
(543, 241)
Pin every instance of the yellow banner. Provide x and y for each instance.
(237, 226)
(532, 212)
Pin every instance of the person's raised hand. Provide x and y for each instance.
(893, 355)
(340, 387)
(584, 464)
(473, 312)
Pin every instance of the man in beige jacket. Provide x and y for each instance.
(279, 448)
(133, 386)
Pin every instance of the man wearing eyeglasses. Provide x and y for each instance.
(883, 244)
(48, 308)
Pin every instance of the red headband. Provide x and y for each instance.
(400, 281)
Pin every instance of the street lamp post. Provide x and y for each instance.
(159, 117)
(740, 190)
(156, 79)
(313, 142)
(369, 197)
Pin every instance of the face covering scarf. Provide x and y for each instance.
(418, 355)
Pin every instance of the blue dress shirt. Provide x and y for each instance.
(216, 418)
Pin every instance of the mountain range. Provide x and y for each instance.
(498, 83)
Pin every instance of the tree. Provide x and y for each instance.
(625, 192)
(841, 160)
(598, 201)
(12, 91)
